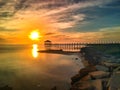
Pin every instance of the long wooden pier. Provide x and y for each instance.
(76, 46)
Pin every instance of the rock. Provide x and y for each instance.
(6, 88)
(85, 85)
(105, 83)
(88, 85)
(109, 64)
(87, 69)
(103, 58)
(99, 74)
(102, 68)
(97, 84)
(115, 81)
(76, 78)
(76, 58)
(54, 88)
(85, 78)
(85, 62)
(83, 72)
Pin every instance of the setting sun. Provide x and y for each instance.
(34, 35)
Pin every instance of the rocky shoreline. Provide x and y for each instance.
(100, 72)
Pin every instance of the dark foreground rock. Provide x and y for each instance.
(54, 88)
(88, 85)
(99, 73)
(115, 81)
(82, 73)
(102, 68)
(6, 88)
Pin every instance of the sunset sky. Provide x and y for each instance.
(59, 20)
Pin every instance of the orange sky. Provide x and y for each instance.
(61, 22)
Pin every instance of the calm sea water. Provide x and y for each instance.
(23, 68)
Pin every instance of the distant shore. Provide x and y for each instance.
(58, 52)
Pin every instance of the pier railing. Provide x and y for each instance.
(76, 46)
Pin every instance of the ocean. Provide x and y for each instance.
(23, 68)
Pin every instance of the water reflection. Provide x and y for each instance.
(41, 72)
(34, 50)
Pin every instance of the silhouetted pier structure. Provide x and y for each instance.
(76, 46)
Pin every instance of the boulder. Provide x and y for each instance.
(85, 62)
(99, 74)
(85, 78)
(54, 88)
(105, 83)
(97, 84)
(6, 88)
(75, 78)
(88, 85)
(110, 64)
(102, 68)
(87, 69)
(115, 81)
(82, 73)
(84, 85)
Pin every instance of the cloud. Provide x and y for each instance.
(1, 39)
(6, 14)
(49, 33)
(76, 20)
(111, 34)
(63, 25)
(61, 38)
(3, 29)
(104, 34)
(2, 3)
(6, 9)
(20, 4)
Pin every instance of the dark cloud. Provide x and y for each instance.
(114, 4)
(20, 4)
(59, 1)
(6, 14)
(2, 3)
(49, 34)
(2, 39)
(77, 1)
(3, 29)
(48, 4)
(52, 5)
(61, 36)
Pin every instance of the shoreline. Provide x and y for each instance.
(59, 52)
(98, 74)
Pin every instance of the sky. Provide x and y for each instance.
(59, 20)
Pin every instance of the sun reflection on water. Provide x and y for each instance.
(34, 50)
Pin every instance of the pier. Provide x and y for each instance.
(77, 45)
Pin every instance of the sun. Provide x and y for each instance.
(34, 35)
